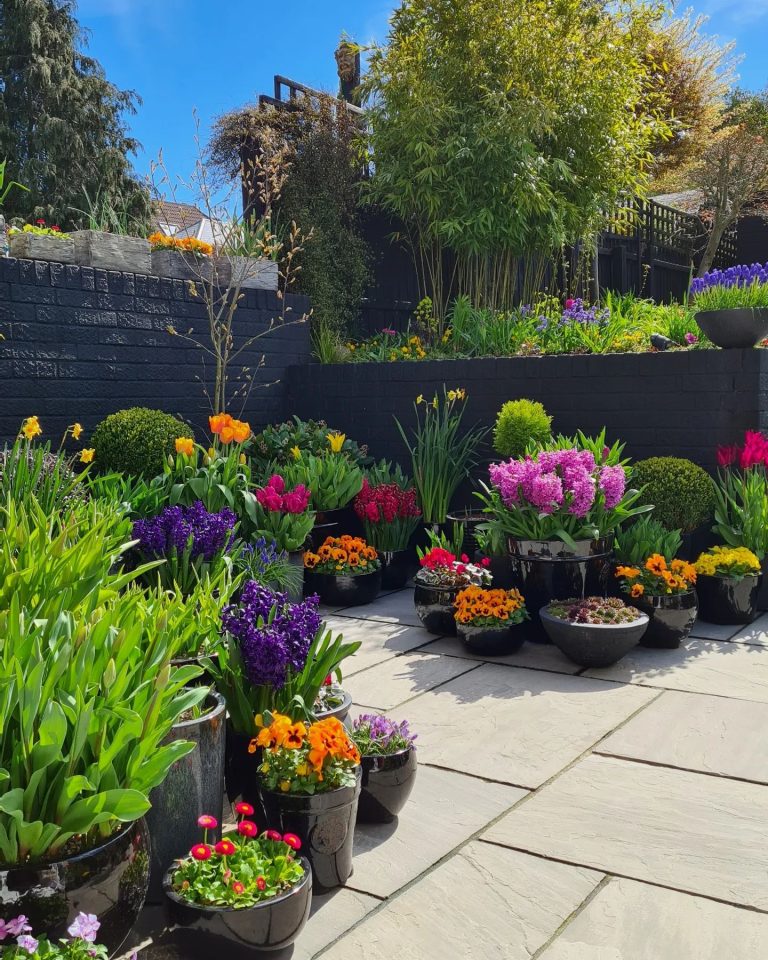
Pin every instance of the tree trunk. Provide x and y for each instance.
(713, 242)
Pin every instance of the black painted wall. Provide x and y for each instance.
(81, 343)
(679, 403)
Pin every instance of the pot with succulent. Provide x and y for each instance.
(441, 577)
(388, 761)
(37, 241)
(490, 622)
(595, 631)
(345, 571)
(309, 778)
(251, 888)
(274, 655)
(732, 305)
(728, 583)
(77, 779)
(665, 592)
(390, 516)
(559, 509)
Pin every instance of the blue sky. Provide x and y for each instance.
(214, 55)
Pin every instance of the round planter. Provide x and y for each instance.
(194, 785)
(727, 600)
(395, 568)
(734, 328)
(670, 618)
(345, 590)
(240, 767)
(546, 570)
(387, 784)
(502, 571)
(593, 644)
(339, 712)
(492, 641)
(325, 823)
(434, 606)
(270, 925)
(110, 881)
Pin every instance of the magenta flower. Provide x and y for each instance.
(18, 925)
(691, 338)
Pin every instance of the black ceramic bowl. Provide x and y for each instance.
(593, 644)
(387, 784)
(434, 606)
(734, 328)
(344, 590)
(270, 925)
(492, 641)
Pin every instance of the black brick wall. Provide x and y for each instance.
(81, 343)
(679, 403)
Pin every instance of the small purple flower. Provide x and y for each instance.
(18, 925)
(85, 926)
(27, 943)
(742, 275)
(691, 338)
(389, 332)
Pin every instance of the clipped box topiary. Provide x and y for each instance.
(519, 423)
(137, 441)
(681, 493)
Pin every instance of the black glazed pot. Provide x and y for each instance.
(325, 824)
(296, 559)
(339, 712)
(270, 925)
(670, 618)
(469, 521)
(727, 600)
(240, 767)
(734, 328)
(546, 570)
(345, 590)
(593, 644)
(194, 785)
(110, 881)
(502, 571)
(492, 641)
(434, 606)
(387, 784)
(396, 567)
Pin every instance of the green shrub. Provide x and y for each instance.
(137, 441)
(519, 422)
(682, 494)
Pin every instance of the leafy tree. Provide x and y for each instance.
(732, 173)
(62, 125)
(501, 129)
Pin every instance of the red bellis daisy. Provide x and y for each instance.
(225, 848)
(201, 851)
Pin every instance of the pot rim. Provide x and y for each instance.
(730, 312)
(663, 596)
(311, 796)
(339, 576)
(545, 614)
(448, 588)
(205, 909)
(217, 710)
(346, 702)
(722, 576)
(387, 756)
(76, 858)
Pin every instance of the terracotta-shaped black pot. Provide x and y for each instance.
(434, 606)
(734, 328)
(396, 566)
(343, 590)
(670, 618)
(325, 824)
(194, 785)
(492, 641)
(593, 644)
(270, 925)
(110, 881)
(727, 600)
(547, 570)
(387, 784)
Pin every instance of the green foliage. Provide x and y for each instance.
(753, 296)
(636, 542)
(501, 128)
(520, 423)
(288, 530)
(333, 479)
(741, 509)
(681, 493)
(62, 123)
(5, 188)
(137, 441)
(28, 469)
(274, 446)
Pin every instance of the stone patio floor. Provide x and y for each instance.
(561, 814)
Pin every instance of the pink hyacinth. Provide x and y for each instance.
(613, 483)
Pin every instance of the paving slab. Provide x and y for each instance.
(713, 631)
(537, 656)
(485, 903)
(516, 726)
(696, 732)
(379, 641)
(756, 632)
(394, 681)
(444, 810)
(635, 921)
(695, 833)
(699, 666)
(392, 608)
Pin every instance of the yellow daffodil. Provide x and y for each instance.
(31, 428)
(461, 393)
(452, 395)
(87, 455)
(296, 453)
(77, 430)
(434, 401)
(336, 441)
(420, 398)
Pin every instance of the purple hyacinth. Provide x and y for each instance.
(274, 635)
(739, 276)
(577, 312)
(177, 528)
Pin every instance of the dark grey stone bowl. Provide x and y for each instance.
(731, 329)
(593, 644)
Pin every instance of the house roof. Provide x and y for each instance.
(178, 216)
(689, 201)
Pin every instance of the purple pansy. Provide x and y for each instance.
(27, 943)
(85, 926)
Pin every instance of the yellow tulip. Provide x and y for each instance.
(296, 453)
(185, 445)
(336, 441)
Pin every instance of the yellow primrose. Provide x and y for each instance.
(86, 456)
(31, 428)
(336, 441)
